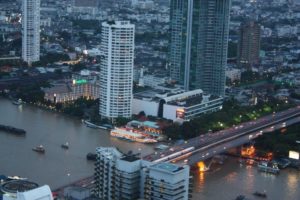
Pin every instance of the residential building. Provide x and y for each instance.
(198, 49)
(249, 44)
(31, 31)
(85, 6)
(126, 176)
(116, 69)
(165, 181)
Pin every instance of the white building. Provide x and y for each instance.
(116, 74)
(40, 193)
(165, 181)
(127, 177)
(31, 31)
(185, 105)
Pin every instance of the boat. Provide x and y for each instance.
(13, 130)
(39, 149)
(65, 146)
(269, 167)
(91, 125)
(129, 134)
(240, 197)
(91, 156)
(260, 194)
(161, 147)
(17, 102)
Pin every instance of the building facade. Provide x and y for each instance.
(127, 177)
(198, 44)
(116, 69)
(249, 44)
(184, 106)
(31, 31)
(84, 84)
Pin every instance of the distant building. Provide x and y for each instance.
(31, 31)
(185, 106)
(249, 44)
(116, 69)
(233, 74)
(83, 84)
(198, 48)
(85, 6)
(121, 176)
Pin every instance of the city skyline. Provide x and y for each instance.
(99, 117)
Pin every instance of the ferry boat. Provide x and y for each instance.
(11, 129)
(269, 167)
(91, 156)
(240, 197)
(131, 135)
(17, 102)
(91, 125)
(39, 149)
(260, 194)
(65, 146)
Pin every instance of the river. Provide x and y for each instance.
(58, 167)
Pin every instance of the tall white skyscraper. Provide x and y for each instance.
(116, 69)
(31, 31)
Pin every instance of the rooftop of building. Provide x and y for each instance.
(15, 186)
(167, 167)
(187, 99)
(130, 157)
(145, 123)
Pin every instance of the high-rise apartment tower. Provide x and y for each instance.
(31, 31)
(198, 44)
(116, 69)
(249, 44)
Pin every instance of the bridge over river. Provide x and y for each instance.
(210, 144)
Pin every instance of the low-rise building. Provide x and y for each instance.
(233, 74)
(83, 84)
(186, 105)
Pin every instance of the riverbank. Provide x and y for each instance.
(52, 129)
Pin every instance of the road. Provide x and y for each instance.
(210, 143)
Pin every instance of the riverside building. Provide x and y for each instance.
(126, 176)
(116, 74)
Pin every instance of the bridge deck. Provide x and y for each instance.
(208, 140)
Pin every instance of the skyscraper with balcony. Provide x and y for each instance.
(249, 44)
(116, 69)
(198, 44)
(31, 31)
